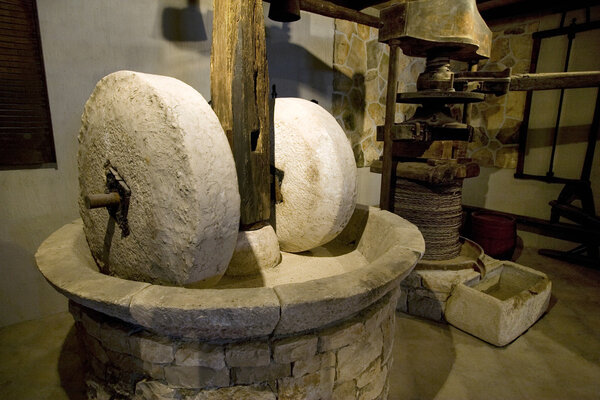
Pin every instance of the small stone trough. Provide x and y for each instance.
(322, 330)
(494, 300)
(502, 306)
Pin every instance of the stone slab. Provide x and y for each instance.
(240, 313)
(196, 377)
(65, 261)
(200, 355)
(249, 375)
(249, 354)
(294, 349)
(254, 392)
(207, 313)
(310, 305)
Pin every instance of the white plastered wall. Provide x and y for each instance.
(497, 189)
(84, 40)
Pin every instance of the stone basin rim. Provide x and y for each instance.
(236, 313)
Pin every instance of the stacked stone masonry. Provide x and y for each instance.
(497, 120)
(349, 360)
(360, 64)
(424, 293)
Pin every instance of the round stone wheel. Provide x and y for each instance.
(318, 189)
(167, 144)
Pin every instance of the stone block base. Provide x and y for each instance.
(425, 292)
(497, 308)
(348, 360)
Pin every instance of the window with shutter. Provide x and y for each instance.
(25, 125)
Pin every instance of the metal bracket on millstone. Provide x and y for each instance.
(115, 199)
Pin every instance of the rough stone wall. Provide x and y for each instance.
(425, 293)
(360, 76)
(497, 120)
(360, 66)
(350, 360)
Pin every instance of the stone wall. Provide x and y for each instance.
(360, 65)
(498, 119)
(360, 77)
(425, 292)
(350, 360)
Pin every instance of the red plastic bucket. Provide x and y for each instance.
(496, 234)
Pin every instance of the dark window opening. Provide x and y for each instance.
(25, 124)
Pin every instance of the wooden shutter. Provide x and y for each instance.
(25, 125)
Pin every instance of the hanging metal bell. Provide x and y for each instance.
(284, 10)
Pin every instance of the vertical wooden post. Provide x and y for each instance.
(240, 98)
(388, 173)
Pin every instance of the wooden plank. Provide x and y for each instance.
(7, 35)
(23, 65)
(23, 106)
(18, 150)
(13, 12)
(24, 56)
(388, 176)
(16, 75)
(11, 51)
(21, 97)
(35, 121)
(240, 94)
(14, 20)
(10, 44)
(27, 127)
(25, 124)
(21, 85)
(490, 4)
(17, 29)
(565, 30)
(554, 80)
(576, 214)
(521, 8)
(39, 111)
(21, 3)
(20, 7)
(332, 10)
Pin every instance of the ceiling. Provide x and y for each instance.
(492, 9)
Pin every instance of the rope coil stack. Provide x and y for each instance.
(437, 212)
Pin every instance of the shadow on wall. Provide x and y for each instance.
(183, 24)
(292, 66)
(71, 367)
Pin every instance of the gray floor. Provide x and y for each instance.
(558, 358)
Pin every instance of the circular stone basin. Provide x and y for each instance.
(471, 256)
(294, 306)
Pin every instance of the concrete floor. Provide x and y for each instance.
(558, 358)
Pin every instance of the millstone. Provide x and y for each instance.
(318, 189)
(168, 146)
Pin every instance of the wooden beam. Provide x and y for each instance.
(329, 9)
(388, 176)
(240, 98)
(492, 10)
(554, 80)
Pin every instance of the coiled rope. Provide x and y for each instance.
(437, 212)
